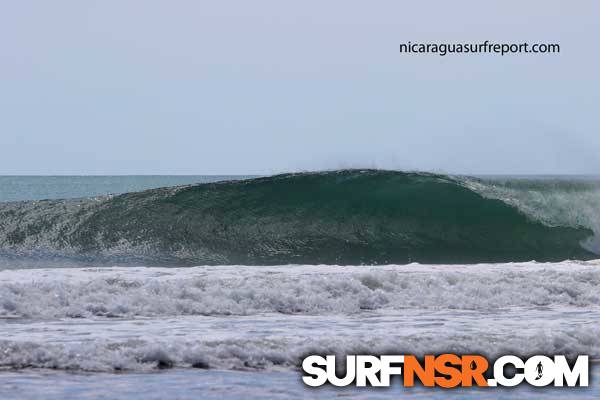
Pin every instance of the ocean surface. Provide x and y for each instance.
(215, 287)
(24, 188)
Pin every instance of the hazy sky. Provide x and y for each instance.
(253, 87)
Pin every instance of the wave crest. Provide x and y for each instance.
(339, 217)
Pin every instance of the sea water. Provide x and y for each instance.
(235, 331)
(22, 188)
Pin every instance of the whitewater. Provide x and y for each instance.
(242, 322)
(218, 290)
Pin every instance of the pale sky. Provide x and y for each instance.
(258, 87)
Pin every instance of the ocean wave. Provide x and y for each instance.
(280, 353)
(340, 217)
(155, 292)
(268, 318)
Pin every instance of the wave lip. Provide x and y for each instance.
(339, 217)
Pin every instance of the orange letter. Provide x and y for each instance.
(453, 375)
(412, 366)
(473, 368)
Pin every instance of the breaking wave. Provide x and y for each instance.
(127, 292)
(340, 217)
(143, 319)
(282, 353)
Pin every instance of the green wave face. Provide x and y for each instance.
(340, 217)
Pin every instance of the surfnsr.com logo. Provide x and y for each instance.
(446, 371)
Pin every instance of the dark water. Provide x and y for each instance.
(336, 217)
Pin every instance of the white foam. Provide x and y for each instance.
(269, 317)
(242, 290)
(274, 343)
(555, 203)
